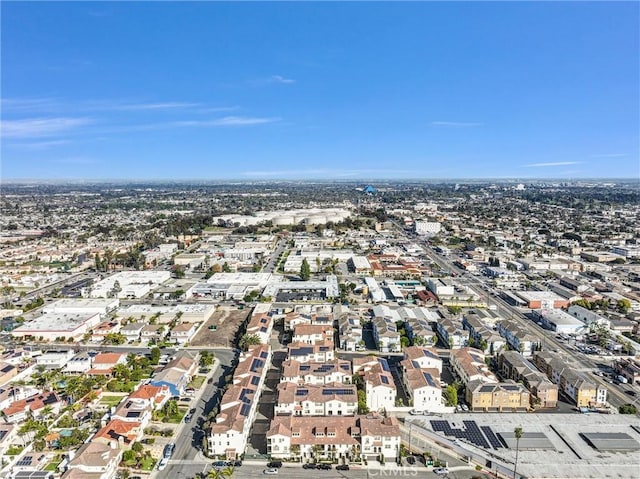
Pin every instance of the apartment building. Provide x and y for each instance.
(350, 333)
(544, 393)
(238, 407)
(421, 358)
(518, 338)
(261, 325)
(451, 333)
(497, 397)
(385, 334)
(314, 373)
(341, 438)
(576, 385)
(317, 400)
(482, 337)
(306, 353)
(312, 333)
(469, 365)
(380, 387)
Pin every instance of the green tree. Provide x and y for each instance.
(627, 409)
(155, 355)
(137, 447)
(362, 402)
(451, 395)
(623, 306)
(249, 340)
(518, 434)
(206, 359)
(305, 270)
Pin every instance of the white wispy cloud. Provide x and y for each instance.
(551, 163)
(40, 127)
(610, 155)
(38, 145)
(173, 105)
(456, 124)
(273, 79)
(228, 121)
(29, 104)
(281, 79)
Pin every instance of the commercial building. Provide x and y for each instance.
(429, 228)
(58, 326)
(542, 299)
(560, 321)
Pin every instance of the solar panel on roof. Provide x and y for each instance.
(302, 392)
(384, 379)
(264, 355)
(429, 379)
(385, 365)
(329, 391)
(304, 367)
(255, 380)
(244, 410)
(25, 461)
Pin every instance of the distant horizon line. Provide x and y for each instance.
(319, 179)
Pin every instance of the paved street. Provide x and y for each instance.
(187, 459)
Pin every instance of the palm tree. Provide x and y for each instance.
(518, 433)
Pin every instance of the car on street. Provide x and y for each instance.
(163, 464)
(187, 418)
(274, 464)
(270, 471)
(415, 412)
(219, 464)
(309, 466)
(342, 467)
(324, 467)
(441, 471)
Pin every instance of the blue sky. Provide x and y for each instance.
(214, 90)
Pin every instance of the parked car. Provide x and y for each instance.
(236, 463)
(162, 464)
(270, 471)
(168, 451)
(274, 464)
(309, 465)
(342, 467)
(415, 412)
(441, 471)
(219, 464)
(187, 418)
(324, 467)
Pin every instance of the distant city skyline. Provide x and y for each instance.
(347, 91)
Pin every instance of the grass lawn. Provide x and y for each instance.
(111, 400)
(197, 382)
(147, 464)
(176, 418)
(53, 465)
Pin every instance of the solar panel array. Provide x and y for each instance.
(493, 439)
(256, 364)
(384, 363)
(384, 379)
(327, 392)
(471, 432)
(302, 392)
(244, 410)
(429, 379)
(255, 380)
(25, 461)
